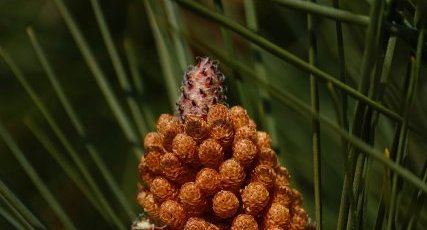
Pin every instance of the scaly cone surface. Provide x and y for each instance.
(210, 168)
(201, 88)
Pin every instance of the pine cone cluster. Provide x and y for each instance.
(210, 168)
(217, 172)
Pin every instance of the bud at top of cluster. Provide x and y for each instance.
(201, 88)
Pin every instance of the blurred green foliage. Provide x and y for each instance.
(129, 23)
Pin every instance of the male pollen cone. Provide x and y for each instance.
(255, 197)
(244, 221)
(195, 223)
(211, 153)
(209, 181)
(192, 199)
(265, 175)
(225, 204)
(209, 167)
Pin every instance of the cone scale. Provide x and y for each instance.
(210, 168)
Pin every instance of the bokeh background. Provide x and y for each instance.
(153, 71)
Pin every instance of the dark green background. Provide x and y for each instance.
(127, 19)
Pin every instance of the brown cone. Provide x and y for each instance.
(232, 174)
(192, 199)
(185, 148)
(255, 198)
(277, 215)
(244, 221)
(209, 181)
(265, 175)
(163, 190)
(245, 152)
(225, 204)
(146, 200)
(211, 154)
(172, 214)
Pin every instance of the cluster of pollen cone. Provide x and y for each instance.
(209, 167)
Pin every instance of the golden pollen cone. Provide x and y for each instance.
(163, 190)
(211, 154)
(232, 174)
(255, 198)
(173, 214)
(209, 181)
(244, 221)
(225, 204)
(245, 152)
